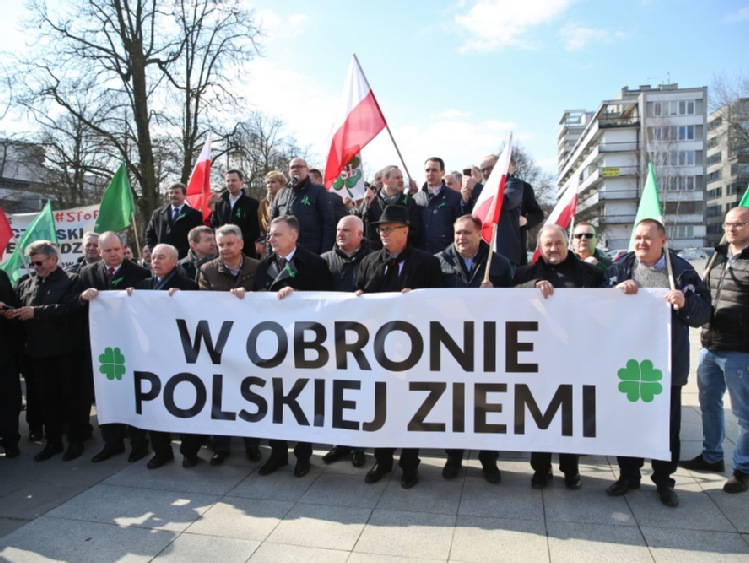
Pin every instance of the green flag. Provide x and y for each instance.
(745, 199)
(117, 205)
(41, 228)
(650, 205)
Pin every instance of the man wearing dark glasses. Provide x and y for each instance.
(584, 241)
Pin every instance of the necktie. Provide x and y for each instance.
(175, 213)
(283, 262)
(110, 272)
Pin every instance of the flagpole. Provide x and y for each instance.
(491, 253)
(135, 231)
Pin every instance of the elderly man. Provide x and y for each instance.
(239, 209)
(231, 271)
(202, 249)
(584, 242)
(724, 356)
(397, 267)
(167, 277)
(463, 265)
(647, 267)
(113, 272)
(90, 253)
(289, 267)
(454, 181)
(376, 200)
(311, 206)
(54, 326)
(439, 207)
(172, 223)
(343, 262)
(557, 268)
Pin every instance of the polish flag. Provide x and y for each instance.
(6, 233)
(564, 212)
(199, 186)
(489, 204)
(359, 123)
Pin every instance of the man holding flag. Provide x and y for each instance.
(652, 265)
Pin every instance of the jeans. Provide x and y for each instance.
(722, 370)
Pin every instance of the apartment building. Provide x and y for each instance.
(607, 151)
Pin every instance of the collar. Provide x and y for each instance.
(660, 264)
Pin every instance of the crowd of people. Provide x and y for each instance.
(302, 237)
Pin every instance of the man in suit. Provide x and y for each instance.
(111, 273)
(397, 267)
(172, 223)
(237, 208)
(202, 249)
(166, 276)
(90, 253)
(234, 272)
(289, 267)
(310, 204)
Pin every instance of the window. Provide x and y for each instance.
(673, 107)
(681, 183)
(713, 211)
(686, 132)
(714, 158)
(716, 193)
(730, 206)
(681, 232)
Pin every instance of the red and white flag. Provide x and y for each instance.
(489, 204)
(360, 122)
(6, 233)
(199, 186)
(564, 212)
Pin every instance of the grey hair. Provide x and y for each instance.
(168, 248)
(46, 248)
(229, 229)
(557, 229)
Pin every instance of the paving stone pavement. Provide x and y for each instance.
(115, 511)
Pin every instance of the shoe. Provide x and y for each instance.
(35, 434)
(410, 478)
(377, 472)
(271, 466)
(159, 461)
(668, 496)
(358, 459)
(253, 454)
(698, 463)
(48, 451)
(301, 468)
(75, 450)
(541, 479)
(106, 453)
(621, 487)
(218, 458)
(738, 483)
(492, 474)
(573, 481)
(336, 454)
(11, 451)
(190, 461)
(137, 453)
(451, 469)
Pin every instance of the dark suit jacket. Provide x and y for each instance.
(177, 280)
(161, 231)
(95, 275)
(244, 215)
(306, 272)
(420, 270)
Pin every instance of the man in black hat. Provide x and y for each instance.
(400, 267)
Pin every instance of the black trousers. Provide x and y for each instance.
(568, 463)
(409, 457)
(114, 435)
(280, 450)
(33, 399)
(629, 467)
(486, 457)
(223, 443)
(162, 444)
(64, 400)
(10, 401)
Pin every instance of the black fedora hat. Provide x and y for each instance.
(394, 214)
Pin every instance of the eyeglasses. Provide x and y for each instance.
(739, 225)
(388, 230)
(578, 236)
(37, 263)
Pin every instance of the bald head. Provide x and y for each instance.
(349, 234)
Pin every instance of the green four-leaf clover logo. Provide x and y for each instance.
(112, 363)
(640, 380)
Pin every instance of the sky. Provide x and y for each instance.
(454, 77)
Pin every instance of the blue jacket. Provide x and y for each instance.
(312, 207)
(437, 218)
(696, 310)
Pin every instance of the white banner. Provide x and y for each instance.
(586, 371)
(71, 224)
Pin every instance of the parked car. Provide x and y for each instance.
(693, 254)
